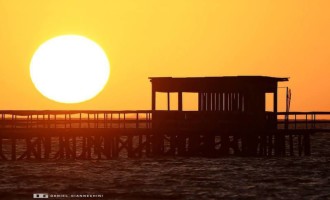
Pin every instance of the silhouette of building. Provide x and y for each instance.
(227, 106)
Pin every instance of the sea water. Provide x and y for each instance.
(306, 177)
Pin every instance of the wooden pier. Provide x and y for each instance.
(113, 134)
(230, 120)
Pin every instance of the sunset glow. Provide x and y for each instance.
(172, 38)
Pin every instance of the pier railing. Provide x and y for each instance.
(319, 121)
(21, 119)
(29, 119)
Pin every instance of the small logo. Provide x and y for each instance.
(40, 196)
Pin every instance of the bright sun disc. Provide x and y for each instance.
(69, 69)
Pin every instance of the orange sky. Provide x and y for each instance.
(171, 38)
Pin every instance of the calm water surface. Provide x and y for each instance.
(175, 178)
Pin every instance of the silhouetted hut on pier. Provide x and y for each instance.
(230, 116)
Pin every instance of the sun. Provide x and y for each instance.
(69, 69)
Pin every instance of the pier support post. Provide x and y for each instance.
(291, 145)
(157, 144)
(13, 149)
(270, 145)
(48, 146)
(194, 145)
(225, 143)
(181, 144)
(209, 145)
(2, 157)
(130, 153)
(307, 145)
(299, 145)
(263, 145)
